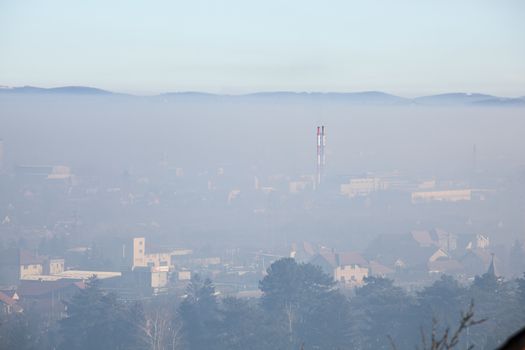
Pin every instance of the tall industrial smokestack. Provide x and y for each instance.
(323, 151)
(319, 142)
(321, 155)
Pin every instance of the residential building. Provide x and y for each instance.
(444, 196)
(8, 304)
(349, 268)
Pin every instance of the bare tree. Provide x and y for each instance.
(162, 330)
(450, 339)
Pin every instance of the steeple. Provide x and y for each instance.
(492, 270)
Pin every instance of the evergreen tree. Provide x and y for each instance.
(16, 332)
(326, 322)
(97, 320)
(245, 326)
(199, 315)
(382, 311)
(302, 300)
(521, 289)
(442, 302)
(495, 301)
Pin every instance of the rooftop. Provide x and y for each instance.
(73, 275)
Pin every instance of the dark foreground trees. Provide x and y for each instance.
(16, 332)
(97, 320)
(381, 310)
(200, 315)
(300, 308)
(305, 305)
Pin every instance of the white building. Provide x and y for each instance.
(362, 186)
(444, 196)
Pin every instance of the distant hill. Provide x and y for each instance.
(368, 98)
(456, 98)
(465, 99)
(73, 90)
(500, 101)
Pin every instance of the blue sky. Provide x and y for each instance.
(236, 46)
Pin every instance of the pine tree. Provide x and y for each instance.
(199, 315)
(97, 320)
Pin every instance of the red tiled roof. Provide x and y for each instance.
(343, 259)
(308, 248)
(9, 292)
(352, 258)
(329, 257)
(378, 269)
(10, 302)
(423, 238)
(7, 299)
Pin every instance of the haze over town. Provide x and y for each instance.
(189, 176)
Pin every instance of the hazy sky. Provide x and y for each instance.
(235, 46)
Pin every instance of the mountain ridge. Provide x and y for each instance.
(358, 97)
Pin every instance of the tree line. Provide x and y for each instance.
(300, 308)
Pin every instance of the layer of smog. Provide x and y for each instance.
(262, 175)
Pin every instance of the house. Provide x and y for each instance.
(326, 260)
(350, 274)
(352, 268)
(479, 241)
(440, 262)
(445, 266)
(48, 297)
(423, 238)
(445, 240)
(348, 268)
(8, 304)
(11, 293)
(435, 238)
(439, 254)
